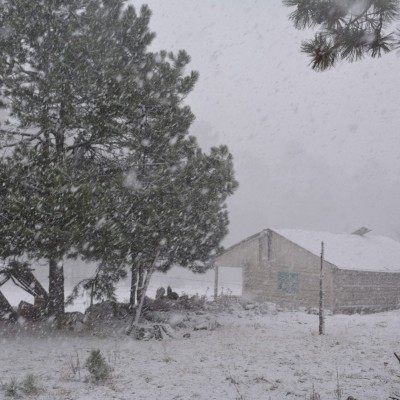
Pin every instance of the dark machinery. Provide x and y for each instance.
(22, 276)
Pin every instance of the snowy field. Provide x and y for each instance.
(259, 353)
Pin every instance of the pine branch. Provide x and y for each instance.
(348, 31)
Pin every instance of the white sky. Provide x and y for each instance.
(312, 150)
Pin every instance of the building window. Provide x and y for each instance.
(288, 282)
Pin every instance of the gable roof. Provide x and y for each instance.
(349, 251)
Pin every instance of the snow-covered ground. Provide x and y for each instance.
(258, 354)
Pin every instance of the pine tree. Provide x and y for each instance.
(347, 29)
(98, 160)
(75, 76)
(165, 212)
(182, 217)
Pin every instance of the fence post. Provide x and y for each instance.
(321, 294)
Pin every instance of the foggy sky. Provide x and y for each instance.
(317, 151)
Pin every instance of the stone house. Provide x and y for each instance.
(361, 272)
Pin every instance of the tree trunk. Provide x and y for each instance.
(138, 313)
(56, 289)
(140, 283)
(134, 282)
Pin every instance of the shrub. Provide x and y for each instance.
(97, 365)
(27, 386)
(30, 385)
(11, 388)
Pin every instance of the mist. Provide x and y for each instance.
(315, 151)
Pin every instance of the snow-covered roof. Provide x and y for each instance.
(349, 251)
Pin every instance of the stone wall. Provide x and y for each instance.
(294, 273)
(365, 291)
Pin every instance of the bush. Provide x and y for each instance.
(27, 386)
(11, 388)
(97, 366)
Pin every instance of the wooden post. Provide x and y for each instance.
(215, 282)
(321, 294)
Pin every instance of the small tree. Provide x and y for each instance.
(101, 286)
(347, 29)
(97, 366)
